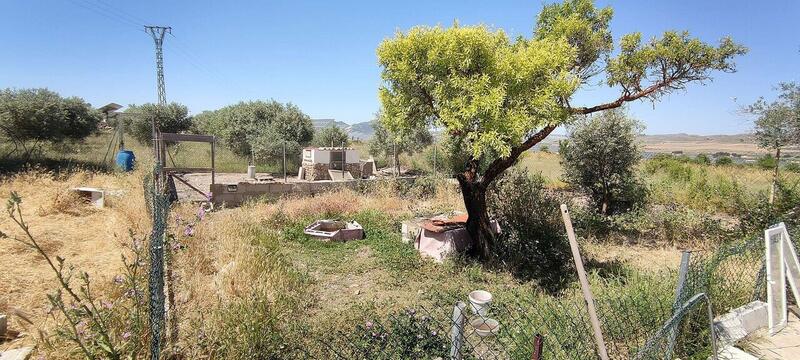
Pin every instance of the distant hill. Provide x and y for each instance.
(678, 142)
(358, 131)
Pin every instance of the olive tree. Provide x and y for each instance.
(331, 136)
(391, 144)
(777, 123)
(260, 129)
(29, 117)
(502, 96)
(170, 118)
(600, 159)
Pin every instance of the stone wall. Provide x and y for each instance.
(316, 172)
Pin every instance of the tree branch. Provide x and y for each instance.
(650, 90)
(499, 165)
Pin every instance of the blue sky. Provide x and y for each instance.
(320, 55)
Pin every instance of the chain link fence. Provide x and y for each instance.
(158, 205)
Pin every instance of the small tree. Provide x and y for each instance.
(777, 125)
(600, 159)
(502, 96)
(391, 144)
(331, 136)
(171, 118)
(41, 115)
(260, 129)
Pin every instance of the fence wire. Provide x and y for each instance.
(158, 204)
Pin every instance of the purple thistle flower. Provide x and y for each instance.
(107, 304)
(189, 230)
(126, 335)
(369, 324)
(201, 213)
(119, 279)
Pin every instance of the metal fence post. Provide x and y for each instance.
(682, 273)
(457, 333)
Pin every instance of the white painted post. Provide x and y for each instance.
(587, 292)
(457, 332)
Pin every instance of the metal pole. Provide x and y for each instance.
(457, 333)
(284, 161)
(344, 156)
(396, 165)
(213, 168)
(434, 158)
(537, 347)
(587, 292)
(676, 305)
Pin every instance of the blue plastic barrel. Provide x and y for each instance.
(125, 160)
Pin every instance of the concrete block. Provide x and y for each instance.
(94, 196)
(740, 322)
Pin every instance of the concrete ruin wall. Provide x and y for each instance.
(237, 194)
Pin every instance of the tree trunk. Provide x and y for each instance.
(775, 175)
(478, 225)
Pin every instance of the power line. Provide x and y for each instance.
(105, 13)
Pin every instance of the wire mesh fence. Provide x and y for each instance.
(158, 204)
(646, 323)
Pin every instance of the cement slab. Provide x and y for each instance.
(785, 345)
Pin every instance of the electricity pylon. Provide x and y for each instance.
(158, 32)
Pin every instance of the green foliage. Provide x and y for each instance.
(475, 82)
(494, 91)
(385, 143)
(600, 159)
(171, 118)
(767, 162)
(406, 335)
(793, 167)
(702, 159)
(331, 136)
(544, 149)
(41, 115)
(260, 129)
(532, 243)
(723, 161)
(777, 123)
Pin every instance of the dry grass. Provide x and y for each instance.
(90, 239)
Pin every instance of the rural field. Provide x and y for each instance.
(248, 280)
(572, 179)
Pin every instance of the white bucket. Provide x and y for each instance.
(251, 172)
(485, 327)
(480, 300)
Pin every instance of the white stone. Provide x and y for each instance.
(16, 354)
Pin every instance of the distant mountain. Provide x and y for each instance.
(323, 123)
(358, 131)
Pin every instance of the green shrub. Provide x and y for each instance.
(172, 118)
(766, 162)
(601, 158)
(702, 159)
(532, 242)
(723, 161)
(793, 167)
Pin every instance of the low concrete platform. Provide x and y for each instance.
(785, 345)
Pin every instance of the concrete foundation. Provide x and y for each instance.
(236, 194)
